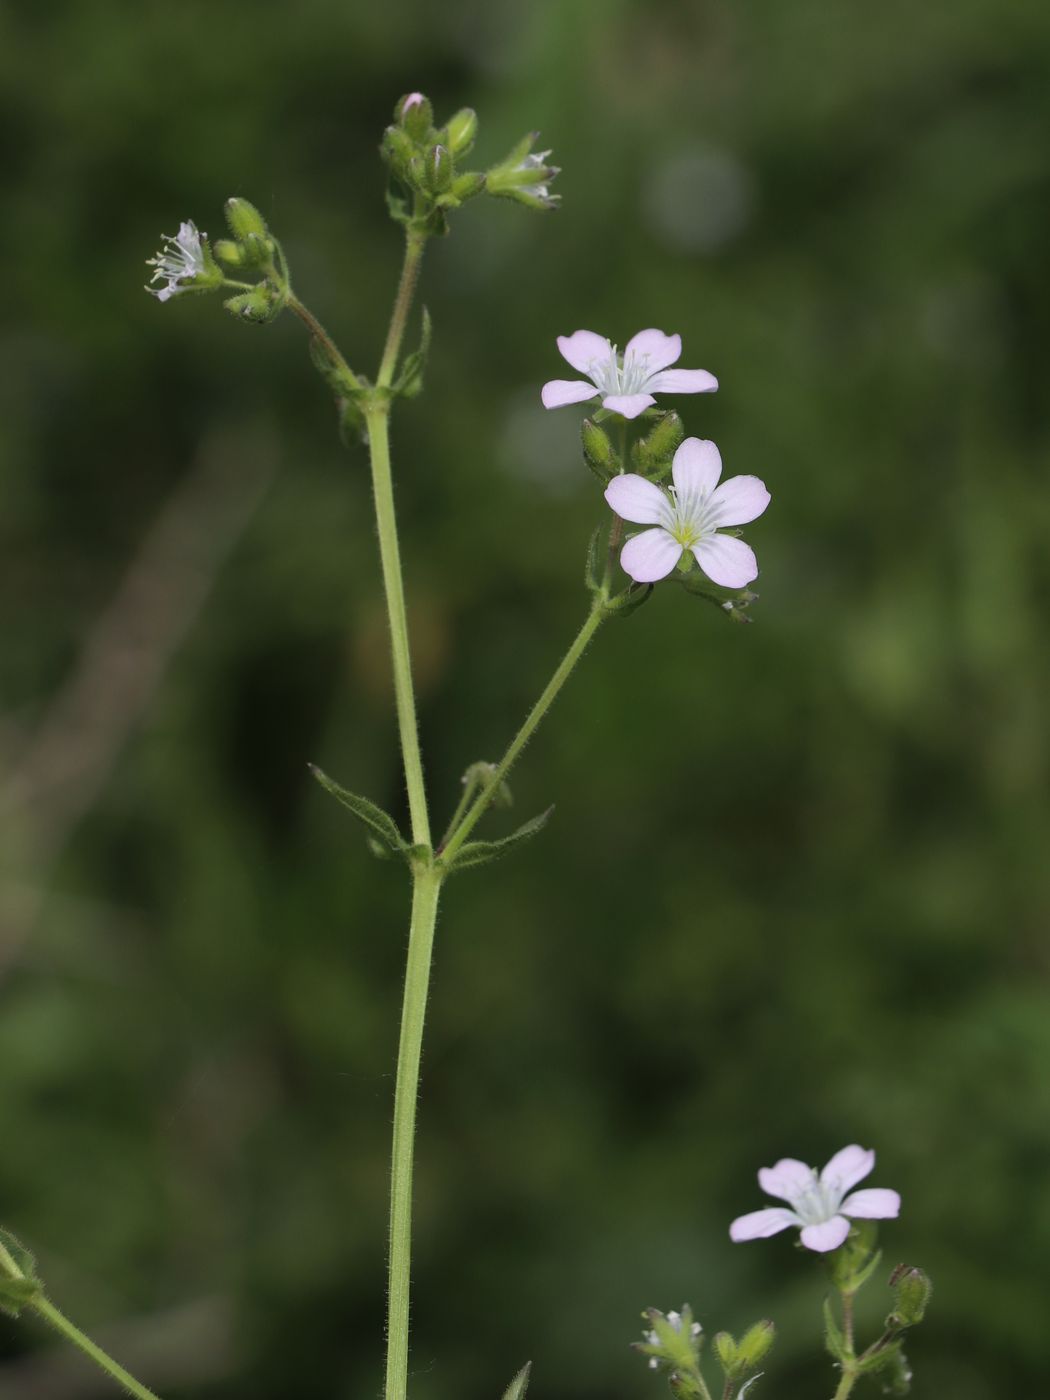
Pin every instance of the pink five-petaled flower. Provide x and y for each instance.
(626, 385)
(689, 518)
(819, 1204)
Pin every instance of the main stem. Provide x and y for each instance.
(415, 242)
(594, 620)
(425, 891)
(73, 1334)
(377, 420)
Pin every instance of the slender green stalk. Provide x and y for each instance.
(594, 620)
(318, 331)
(425, 891)
(849, 1366)
(415, 242)
(378, 424)
(73, 1334)
(846, 1384)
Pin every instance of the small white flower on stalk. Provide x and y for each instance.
(819, 1205)
(626, 384)
(183, 263)
(524, 175)
(689, 517)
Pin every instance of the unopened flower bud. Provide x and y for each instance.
(439, 169)
(753, 1345)
(228, 252)
(261, 305)
(245, 220)
(598, 451)
(397, 149)
(725, 1348)
(653, 454)
(467, 185)
(461, 130)
(415, 114)
(912, 1289)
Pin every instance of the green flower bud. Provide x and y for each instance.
(525, 176)
(439, 169)
(415, 114)
(598, 451)
(263, 304)
(725, 1349)
(754, 1344)
(912, 1289)
(461, 131)
(244, 220)
(469, 184)
(228, 252)
(652, 454)
(397, 149)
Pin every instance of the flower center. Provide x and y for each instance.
(616, 376)
(814, 1205)
(690, 519)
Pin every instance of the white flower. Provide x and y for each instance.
(625, 385)
(690, 517)
(180, 260)
(819, 1204)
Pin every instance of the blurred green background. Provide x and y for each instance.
(795, 891)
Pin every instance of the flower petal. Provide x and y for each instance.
(738, 500)
(630, 405)
(650, 556)
(846, 1168)
(558, 392)
(787, 1179)
(682, 381)
(828, 1235)
(726, 561)
(696, 468)
(656, 348)
(582, 348)
(637, 500)
(760, 1224)
(875, 1203)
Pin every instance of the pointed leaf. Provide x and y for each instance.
(518, 1386)
(834, 1338)
(410, 380)
(594, 558)
(481, 852)
(381, 825)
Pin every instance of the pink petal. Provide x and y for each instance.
(657, 349)
(630, 405)
(582, 348)
(726, 561)
(650, 556)
(787, 1179)
(738, 500)
(558, 392)
(846, 1168)
(683, 381)
(828, 1235)
(637, 500)
(696, 468)
(760, 1224)
(876, 1203)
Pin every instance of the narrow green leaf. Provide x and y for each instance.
(518, 1386)
(594, 557)
(747, 1385)
(410, 380)
(879, 1360)
(481, 852)
(381, 825)
(834, 1338)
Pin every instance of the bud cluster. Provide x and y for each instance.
(674, 1341)
(423, 161)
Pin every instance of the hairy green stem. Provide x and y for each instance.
(849, 1366)
(425, 891)
(415, 242)
(65, 1328)
(594, 620)
(377, 420)
(319, 333)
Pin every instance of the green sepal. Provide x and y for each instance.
(598, 451)
(734, 602)
(410, 380)
(834, 1337)
(381, 826)
(397, 206)
(912, 1289)
(481, 852)
(17, 1293)
(630, 600)
(519, 1385)
(725, 1350)
(754, 1344)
